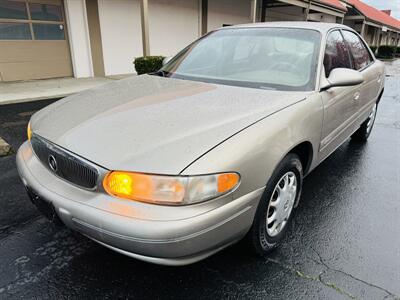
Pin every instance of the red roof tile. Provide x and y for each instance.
(374, 14)
(334, 3)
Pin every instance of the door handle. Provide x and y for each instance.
(379, 78)
(356, 96)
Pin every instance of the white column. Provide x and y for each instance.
(78, 37)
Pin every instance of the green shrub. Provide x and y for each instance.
(148, 64)
(397, 51)
(387, 51)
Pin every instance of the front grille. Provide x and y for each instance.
(66, 166)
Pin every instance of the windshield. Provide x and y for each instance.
(266, 58)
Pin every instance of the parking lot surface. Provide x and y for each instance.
(344, 241)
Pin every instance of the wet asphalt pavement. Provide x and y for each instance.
(344, 241)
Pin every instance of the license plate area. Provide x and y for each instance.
(45, 207)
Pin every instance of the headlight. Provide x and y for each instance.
(29, 131)
(170, 190)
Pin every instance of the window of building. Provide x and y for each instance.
(13, 10)
(48, 31)
(45, 12)
(14, 31)
(359, 52)
(336, 53)
(23, 20)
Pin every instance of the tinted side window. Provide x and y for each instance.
(361, 55)
(336, 53)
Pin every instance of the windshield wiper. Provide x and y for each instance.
(263, 87)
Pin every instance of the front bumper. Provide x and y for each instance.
(157, 234)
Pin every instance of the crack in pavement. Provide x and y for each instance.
(322, 262)
(317, 278)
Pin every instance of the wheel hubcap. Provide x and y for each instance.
(371, 119)
(281, 204)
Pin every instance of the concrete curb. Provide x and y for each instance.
(388, 59)
(38, 98)
(35, 90)
(5, 148)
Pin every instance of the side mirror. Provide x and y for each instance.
(343, 77)
(166, 60)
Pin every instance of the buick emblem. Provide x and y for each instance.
(52, 163)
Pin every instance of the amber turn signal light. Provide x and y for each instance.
(29, 131)
(227, 182)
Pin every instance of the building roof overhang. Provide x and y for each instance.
(374, 16)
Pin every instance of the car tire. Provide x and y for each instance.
(261, 237)
(362, 134)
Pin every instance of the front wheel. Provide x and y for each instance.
(363, 133)
(276, 206)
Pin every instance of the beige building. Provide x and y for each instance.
(86, 38)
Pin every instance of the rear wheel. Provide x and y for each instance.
(276, 206)
(363, 133)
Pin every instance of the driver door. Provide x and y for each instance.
(340, 103)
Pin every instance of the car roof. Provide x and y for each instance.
(322, 27)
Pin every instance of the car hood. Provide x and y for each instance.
(154, 124)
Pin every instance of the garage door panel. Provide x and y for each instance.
(25, 51)
(38, 70)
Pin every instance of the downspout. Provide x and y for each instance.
(144, 16)
(363, 29)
